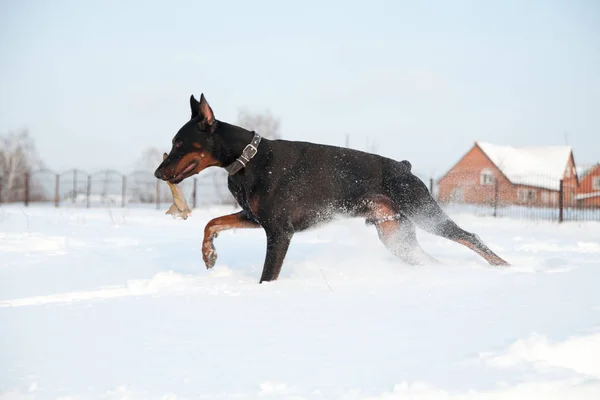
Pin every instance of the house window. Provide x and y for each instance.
(596, 183)
(549, 197)
(457, 195)
(487, 177)
(526, 195)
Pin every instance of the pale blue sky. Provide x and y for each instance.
(96, 82)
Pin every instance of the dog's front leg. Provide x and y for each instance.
(278, 243)
(232, 221)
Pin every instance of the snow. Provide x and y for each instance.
(116, 304)
(532, 166)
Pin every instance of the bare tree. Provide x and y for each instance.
(18, 156)
(265, 124)
(150, 159)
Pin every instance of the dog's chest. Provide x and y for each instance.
(238, 192)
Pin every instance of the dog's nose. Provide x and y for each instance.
(159, 173)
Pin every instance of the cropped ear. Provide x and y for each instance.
(195, 106)
(206, 111)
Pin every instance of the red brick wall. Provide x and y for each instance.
(465, 176)
(590, 202)
(585, 186)
(570, 183)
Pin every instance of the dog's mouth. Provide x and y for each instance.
(185, 173)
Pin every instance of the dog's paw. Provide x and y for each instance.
(209, 254)
(210, 259)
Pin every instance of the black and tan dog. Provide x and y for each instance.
(288, 186)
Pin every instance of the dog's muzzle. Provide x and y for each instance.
(160, 173)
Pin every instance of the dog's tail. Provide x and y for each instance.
(413, 197)
(404, 166)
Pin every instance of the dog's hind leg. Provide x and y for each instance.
(238, 220)
(396, 232)
(399, 236)
(420, 207)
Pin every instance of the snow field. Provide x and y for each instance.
(117, 304)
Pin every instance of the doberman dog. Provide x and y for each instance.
(289, 186)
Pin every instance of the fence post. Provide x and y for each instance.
(56, 190)
(123, 191)
(560, 201)
(157, 195)
(74, 184)
(495, 198)
(431, 186)
(89, 190)
(194, 194)
(26, 188)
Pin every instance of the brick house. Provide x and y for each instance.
(588, 191)
(511, 175)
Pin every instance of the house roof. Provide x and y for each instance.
(531, 166)
(583, 170)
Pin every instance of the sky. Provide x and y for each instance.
(98, 82)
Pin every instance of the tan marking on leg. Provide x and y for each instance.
(216, 225)
(382, 215)
(396, 232)
(379, 212)
(490, 258)
(387, 229)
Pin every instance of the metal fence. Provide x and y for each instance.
(526, 196)
(532, 197)
(111, 188)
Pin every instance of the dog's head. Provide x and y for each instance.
(193, 146)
